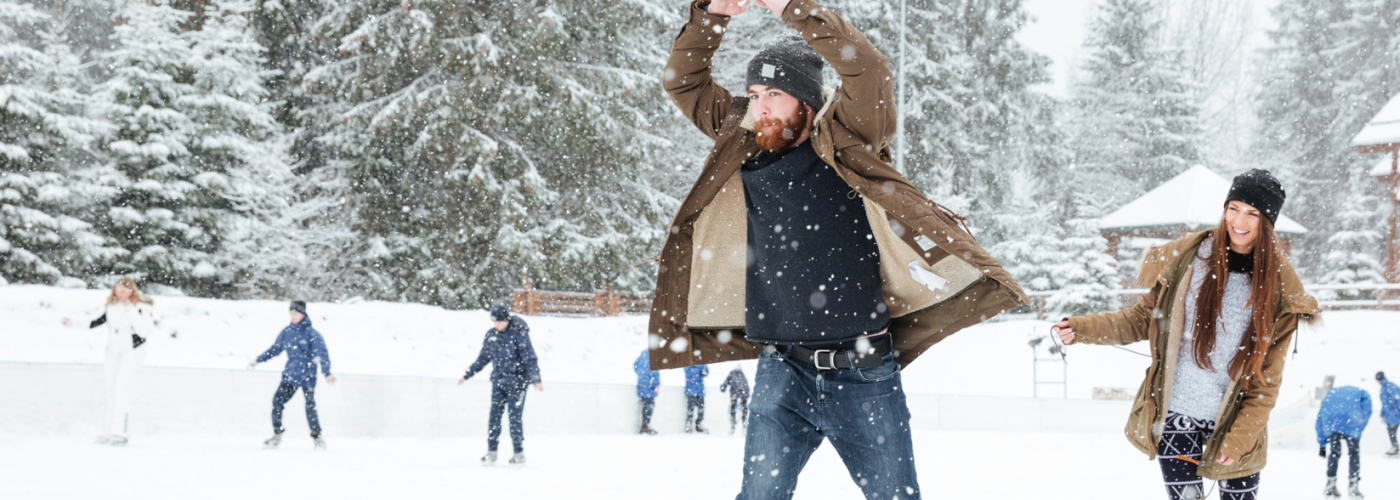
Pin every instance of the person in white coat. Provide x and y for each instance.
(130, 324)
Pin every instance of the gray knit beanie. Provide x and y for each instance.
(790, 65)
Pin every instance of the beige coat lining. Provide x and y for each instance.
(720, 260)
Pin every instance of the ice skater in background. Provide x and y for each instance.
(695, 397)
(738, 387)
(1390, 411)
(1342, 418)
(648, 387)
(507, 347)
(130, 324)
(305, 348)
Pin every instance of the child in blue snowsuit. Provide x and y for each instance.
(695, 397)
(515, 367)
(648, 386)
(1342, 418)
(305, 349)
(1390, 411)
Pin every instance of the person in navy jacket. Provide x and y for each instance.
(515, 367)
(305, 349)
(1390, 411)
(695, 397)
(1342, 418)
(738, 386)
(648, 387)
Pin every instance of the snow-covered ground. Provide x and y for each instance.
(951, 465)
(373, 339)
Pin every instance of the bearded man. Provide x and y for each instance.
(800, 246)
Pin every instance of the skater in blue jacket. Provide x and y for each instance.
(1390, 411)
(695, 397)
(515, 367)
(1342, 418)
(648, 386)
(305, 349)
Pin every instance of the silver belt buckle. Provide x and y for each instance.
(817, 359)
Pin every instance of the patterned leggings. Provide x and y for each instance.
(1187, 436)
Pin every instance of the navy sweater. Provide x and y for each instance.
(814, 267)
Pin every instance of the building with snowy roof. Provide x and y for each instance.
(1192, 201)
(1382, 135)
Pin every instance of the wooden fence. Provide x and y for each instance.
(603, 302)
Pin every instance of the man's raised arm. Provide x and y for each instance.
(865, 101)
(687, 76)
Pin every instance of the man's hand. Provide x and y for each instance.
(461, 381)
(777, 6)
(539, 386)
(729, 8)
(1225, 460)
(330, 380)
(252, 365)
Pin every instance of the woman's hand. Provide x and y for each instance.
(539, 386)
(1225, 460)
(330, 380)
(67, 322)
(728, 8)
(461, 381)
(1063, 330)
(252, 365)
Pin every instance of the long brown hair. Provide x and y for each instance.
(1263, 297)
(136, 296)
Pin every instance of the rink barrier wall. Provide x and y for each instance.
(67, 399)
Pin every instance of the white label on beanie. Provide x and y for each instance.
(768, 70)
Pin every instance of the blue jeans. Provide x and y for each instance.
(507, 397)
(284, 394)
(861, 411)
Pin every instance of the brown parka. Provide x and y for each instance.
(1159, 318)
(697, 315)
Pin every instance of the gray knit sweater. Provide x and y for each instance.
(1196, 392)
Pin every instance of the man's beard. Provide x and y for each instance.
(776, 135)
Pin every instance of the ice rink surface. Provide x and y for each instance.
(952, 465)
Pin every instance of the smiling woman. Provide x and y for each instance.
(1221, 310)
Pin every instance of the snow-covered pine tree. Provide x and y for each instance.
(241, 150)
(1330, 68)
(1133, 118)
(41, 128)
(166, 211)
(1028, 239)
(1354, 244)
(1088, 275)
(482, 138)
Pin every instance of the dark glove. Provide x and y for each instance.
(1322, 451)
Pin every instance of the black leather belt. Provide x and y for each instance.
(832, 359)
